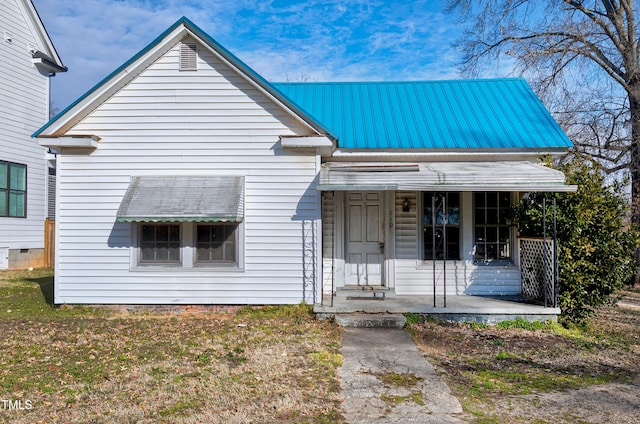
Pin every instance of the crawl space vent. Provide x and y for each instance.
(188, 57)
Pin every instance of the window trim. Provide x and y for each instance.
(7, 191)
(188, 254)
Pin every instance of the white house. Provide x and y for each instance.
(184, 177)
(29, 60)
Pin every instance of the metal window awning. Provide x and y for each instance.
(183, 199)
(519, 176)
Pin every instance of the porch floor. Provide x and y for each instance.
(464, 308)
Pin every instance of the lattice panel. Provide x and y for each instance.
(537, 272)
(309, 260)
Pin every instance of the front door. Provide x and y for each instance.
(365, 239)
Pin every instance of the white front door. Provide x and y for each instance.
(365, 239)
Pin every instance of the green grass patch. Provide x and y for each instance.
(523, 324)
(506, 355)
(412, 319)
(398, 379)
(298, 313)
(394, 400)
(519, 382)
(181, 408)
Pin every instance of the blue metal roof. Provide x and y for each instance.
(460, 114)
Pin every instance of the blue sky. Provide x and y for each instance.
(315, 40)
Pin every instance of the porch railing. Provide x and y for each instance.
(538, 269)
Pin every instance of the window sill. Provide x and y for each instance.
(505, 263)
(178, 268)
(428, 264)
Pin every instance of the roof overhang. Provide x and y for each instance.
(46, 64)
(78, 141)
(183, 199)
(520, 176)
(323, 145)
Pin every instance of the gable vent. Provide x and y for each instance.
(188, 57)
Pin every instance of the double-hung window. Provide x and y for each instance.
(447, 225)
(492, 227)
(13, 190)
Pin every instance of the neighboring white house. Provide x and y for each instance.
(186, 178)
(29, 60)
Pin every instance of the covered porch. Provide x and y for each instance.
(388, 249)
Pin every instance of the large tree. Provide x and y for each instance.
(582, 58)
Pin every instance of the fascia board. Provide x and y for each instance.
(445, 155)
(40, 31)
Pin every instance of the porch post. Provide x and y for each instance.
(445, 220)
(433, 244)
(333, 245)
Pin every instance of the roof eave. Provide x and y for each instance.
(46, 64)
(445, 154)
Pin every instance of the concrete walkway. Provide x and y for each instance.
(385, 379)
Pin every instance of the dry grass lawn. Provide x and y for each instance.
(279, 364)
(544, 373)
(80, 365)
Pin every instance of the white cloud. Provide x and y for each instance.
(321, 40)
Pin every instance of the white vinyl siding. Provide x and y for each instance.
(165, 122)
(24, 106)
(414, 276)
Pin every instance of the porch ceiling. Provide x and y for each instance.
(519, 176)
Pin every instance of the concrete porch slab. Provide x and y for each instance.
(488, 310)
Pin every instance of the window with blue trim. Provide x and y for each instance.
(13, 190)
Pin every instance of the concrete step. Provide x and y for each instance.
(377, 289)
(362, 292)
(371, 320)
